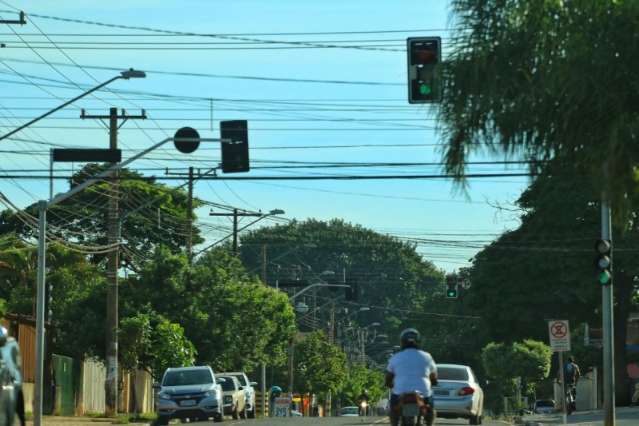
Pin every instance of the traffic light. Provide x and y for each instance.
(451, 286)
(604, 262)
(235, 151)
(424, 57)
(352, 292)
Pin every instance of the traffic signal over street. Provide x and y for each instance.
(424, 57)
(451, 286)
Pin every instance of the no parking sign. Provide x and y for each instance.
(559, 333)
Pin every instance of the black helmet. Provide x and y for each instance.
(409, 338)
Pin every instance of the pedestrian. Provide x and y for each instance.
(10, 354)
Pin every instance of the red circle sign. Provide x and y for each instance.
(558, 330)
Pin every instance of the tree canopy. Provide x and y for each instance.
(542, 79)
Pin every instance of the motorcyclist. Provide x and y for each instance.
(363, 409)
(10, 354)
(410, 370)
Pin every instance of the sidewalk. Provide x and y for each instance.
(80, 421)
(624, 415)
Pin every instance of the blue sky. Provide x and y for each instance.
(323, 114)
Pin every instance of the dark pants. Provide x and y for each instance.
(20, 405)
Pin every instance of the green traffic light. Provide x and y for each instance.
(424, 89)
(604, 277)
(451, 293)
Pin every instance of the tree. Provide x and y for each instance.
(551, 256)
(528, 360)
(233, 321)
(358, 378)
(151, 214)
(545, 79)
(320, 366)
(152, 343)
(392, 277)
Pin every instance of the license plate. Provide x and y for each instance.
(441, 392)
(410, 410)
(187, 403)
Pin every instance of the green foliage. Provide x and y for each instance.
(358, 378)
(393, 278)
(320, 366)
(150, 342)
(529, 360)
(3, 308)
(143, 203)
(542, 79)
(233, 321)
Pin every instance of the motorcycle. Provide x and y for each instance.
(414, 410)
(363, 409)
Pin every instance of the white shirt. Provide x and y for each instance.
(412, 368)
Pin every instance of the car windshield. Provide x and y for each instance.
(452, 373)
(187, 377)
(545, 403)
(241, 378)
(349, 410)
(227, 384)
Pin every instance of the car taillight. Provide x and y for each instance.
(466, 391)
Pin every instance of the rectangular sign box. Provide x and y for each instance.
(80, 155)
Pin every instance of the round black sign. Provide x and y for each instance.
(186, 140)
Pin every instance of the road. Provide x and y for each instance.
(334, 421)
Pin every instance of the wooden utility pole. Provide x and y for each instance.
(113, 239)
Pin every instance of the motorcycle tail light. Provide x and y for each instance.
(466, 391)
(410, 398)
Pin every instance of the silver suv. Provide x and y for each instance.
(189, 393)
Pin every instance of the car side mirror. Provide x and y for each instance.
(253, 383)
(241, 388)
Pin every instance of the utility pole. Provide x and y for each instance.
(237, 213)
(113, 238)
(189, 214)
(607, 297)
(263, 384)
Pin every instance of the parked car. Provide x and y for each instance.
(544, 406)
(191, 393)
(249, 390)
(349, 411)
(234, 397)
(458, 393)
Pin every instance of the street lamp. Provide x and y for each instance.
(43, 205)
(125, 75)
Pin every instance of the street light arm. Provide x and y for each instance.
(305, 289)
(90, 181)
(46, 114)
(230, 235)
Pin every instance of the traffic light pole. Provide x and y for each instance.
(608, 324)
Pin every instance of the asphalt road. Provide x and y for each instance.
(333, 421)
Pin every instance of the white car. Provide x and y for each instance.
(233, 396)
(249, 390)
(349, 411)
(458, 393)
